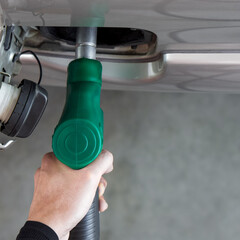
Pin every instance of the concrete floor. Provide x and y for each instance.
(177, 167)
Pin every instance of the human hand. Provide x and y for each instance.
(62, 196)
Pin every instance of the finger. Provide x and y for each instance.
(103, 181)
(102, 186)
(36, 177)
(50, 162)
(102, 204)
(47, 159)
(103, 164)
(101, 189)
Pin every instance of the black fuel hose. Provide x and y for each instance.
(88, 228)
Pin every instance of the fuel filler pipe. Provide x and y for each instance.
(78, 137)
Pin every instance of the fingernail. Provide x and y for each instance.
(106, 206)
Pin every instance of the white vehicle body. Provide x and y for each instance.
(197, 46)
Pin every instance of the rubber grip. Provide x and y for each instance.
(88, 228)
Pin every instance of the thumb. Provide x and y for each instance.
(102, 164)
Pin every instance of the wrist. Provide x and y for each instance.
(53, 225)
(37, 230)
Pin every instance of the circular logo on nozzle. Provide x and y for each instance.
(77, 143)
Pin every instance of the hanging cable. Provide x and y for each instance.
(37, 59)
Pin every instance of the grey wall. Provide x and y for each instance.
(177, 167)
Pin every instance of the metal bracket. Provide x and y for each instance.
(11, 43)
(6, 145)
(4, 74)
(5, 141)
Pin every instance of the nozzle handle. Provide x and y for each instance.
(88, 228)
(78, 137)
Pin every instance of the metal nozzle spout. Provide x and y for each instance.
(86, 42)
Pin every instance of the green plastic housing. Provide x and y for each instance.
(78, 137)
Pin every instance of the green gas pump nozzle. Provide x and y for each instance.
(78, 137)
